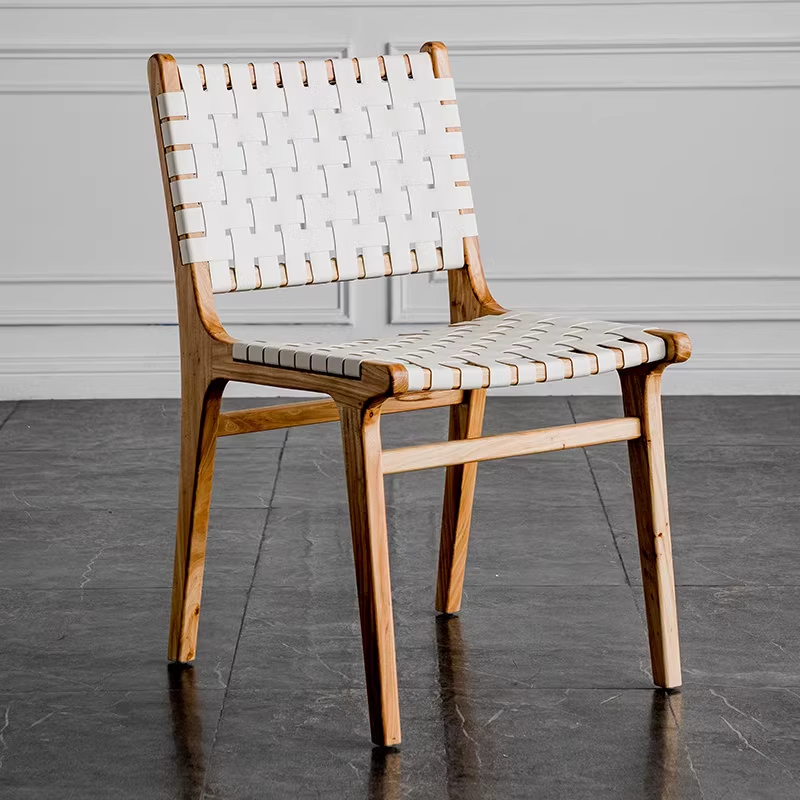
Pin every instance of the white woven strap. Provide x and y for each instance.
(267, 180)
(491, 351)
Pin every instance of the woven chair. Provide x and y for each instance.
(294, 173)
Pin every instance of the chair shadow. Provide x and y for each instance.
(661, 778)
(187, 732)
(462, 753)
(463, 757)
(463, 761)
(384, 774)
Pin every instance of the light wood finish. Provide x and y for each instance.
(641, 394)
(469, 298)
(679, 347)
(361, 440)
(207, 365)
(313, 412)
(466, 422)
(508, 445)
(199, 413)
(201, 397)
(469, 293)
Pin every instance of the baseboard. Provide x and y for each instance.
(148, 376)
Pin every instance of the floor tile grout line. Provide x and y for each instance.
(526, 688)
(671, 708)
(698, 444)
(335, 583)
(421, 687)
(602, 503)
(686, 749)
(244, 615)
(11, 413)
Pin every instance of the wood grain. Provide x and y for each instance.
(508, 445)
(362, 457)
(469, 293)
(199, 413)
(641, 395)
(466, 422)
(469, 299)
(207, 365)
(679, 345)
(201, 397)
(313, 412)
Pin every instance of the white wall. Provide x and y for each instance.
(634, 160)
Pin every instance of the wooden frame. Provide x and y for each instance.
(207, 365)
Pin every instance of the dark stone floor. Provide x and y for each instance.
(539, 689)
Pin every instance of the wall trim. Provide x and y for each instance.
(340, 314)
(402, 311)
(145, 375)
(702, 45)
(599, 47)
(222, 4)
(139, 363)
(64, 276)
(636, 273)
(538, 273)
(120, 51)
(44, 51)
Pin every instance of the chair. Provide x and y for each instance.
(296, 173)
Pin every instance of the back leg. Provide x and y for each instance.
(200, 408)
(466, 422)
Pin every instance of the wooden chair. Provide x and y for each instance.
(297, 173)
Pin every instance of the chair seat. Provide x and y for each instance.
(492, 351)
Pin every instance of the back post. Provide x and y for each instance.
(469, 299)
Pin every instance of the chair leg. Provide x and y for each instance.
(641, 393)
(362, 454)
(200, 409)
(466, 422)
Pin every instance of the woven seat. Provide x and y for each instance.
(296, 173)
(489, 352)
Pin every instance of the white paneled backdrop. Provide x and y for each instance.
(636, 160)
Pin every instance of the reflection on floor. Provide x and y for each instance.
(539, 688)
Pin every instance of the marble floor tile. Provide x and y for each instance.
(718, 420)
(74, 547)
(110, 425)
(108, 639)
(128, 478)
(153, 744)
(540, 687)
(565, 637)
(458, 744)
(534, 545)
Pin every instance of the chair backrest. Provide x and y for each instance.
(291, 173)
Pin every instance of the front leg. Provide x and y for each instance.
(641, 394)
(363, 466)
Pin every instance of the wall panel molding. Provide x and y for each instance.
(377, 4)
(101, 301)
(674, 64)
(99, 83)
(147, 375)
(403, 310)
(73, 324)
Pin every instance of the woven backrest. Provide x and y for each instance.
(292, 173)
